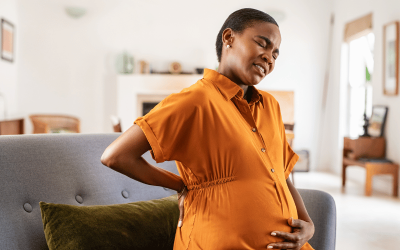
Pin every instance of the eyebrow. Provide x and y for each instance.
(266, 39)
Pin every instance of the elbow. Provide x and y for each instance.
(108, 158)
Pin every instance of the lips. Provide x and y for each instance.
(260, 68)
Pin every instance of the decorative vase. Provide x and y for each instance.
(124, 63)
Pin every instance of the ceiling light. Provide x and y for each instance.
(75, 12)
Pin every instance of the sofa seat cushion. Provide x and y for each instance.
(138, 225)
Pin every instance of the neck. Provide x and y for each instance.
(247, 94)
(225, 71)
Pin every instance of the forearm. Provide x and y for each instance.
(124, 155)
(301, 208)
(140, 170)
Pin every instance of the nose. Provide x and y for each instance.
(267, 57)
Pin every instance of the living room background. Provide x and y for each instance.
(66, 65)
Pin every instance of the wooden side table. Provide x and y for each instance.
(368, 147)
(374, 168)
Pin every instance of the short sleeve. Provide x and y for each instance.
(289, 156)
(169, 125)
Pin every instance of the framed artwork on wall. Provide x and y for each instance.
(377, 122)
(7, 41)
(391, 58)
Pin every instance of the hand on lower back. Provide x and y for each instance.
(181, 203)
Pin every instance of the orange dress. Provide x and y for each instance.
(234, 158)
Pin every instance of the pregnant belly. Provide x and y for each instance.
(235, 215)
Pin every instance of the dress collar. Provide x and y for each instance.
(228, 88)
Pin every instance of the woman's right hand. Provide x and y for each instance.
(181, 202)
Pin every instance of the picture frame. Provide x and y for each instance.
(377, 121)
(391, 58)
(7, 48)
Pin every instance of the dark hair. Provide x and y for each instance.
(239, 21)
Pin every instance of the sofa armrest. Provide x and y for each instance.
(322, 209)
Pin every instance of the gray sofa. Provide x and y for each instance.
(66, 168)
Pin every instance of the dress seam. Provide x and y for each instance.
(194, 220)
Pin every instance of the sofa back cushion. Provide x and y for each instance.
(63, 169)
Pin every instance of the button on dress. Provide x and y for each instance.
(233, 157)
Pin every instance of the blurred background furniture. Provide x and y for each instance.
(12, 127)
(9, 126)
(286, 104)
(369, 153)
(116, 123)
(55, 124)
(289, 130)
(303, 164)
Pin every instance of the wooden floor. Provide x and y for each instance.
(363, 223)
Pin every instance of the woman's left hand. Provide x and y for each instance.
(301, 233)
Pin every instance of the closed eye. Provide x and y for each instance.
(264, 47)
(260, 45)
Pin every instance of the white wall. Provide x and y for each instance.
(331, 149)
(67, 65)
(60, 64)
(8, 70)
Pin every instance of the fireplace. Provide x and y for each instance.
(139, 93)
(147, 106)
(146, 102)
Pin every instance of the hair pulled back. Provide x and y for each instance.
(240, 20)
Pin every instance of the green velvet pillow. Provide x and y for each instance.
(137, 225)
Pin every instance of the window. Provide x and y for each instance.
(360, 71)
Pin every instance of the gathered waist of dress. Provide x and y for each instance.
(211, 183)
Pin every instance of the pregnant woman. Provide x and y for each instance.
(229, 144)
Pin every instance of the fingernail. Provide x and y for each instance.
(180, 223)
(273, 234)
(270, 247)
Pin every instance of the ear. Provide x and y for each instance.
(227, 36)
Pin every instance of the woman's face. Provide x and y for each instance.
(252, 54)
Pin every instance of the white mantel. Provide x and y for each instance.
(134, 88)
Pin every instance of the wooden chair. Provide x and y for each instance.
(12, 127)
(116, 123)
(55, 124)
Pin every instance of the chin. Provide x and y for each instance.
(255, 81)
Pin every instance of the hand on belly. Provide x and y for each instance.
(301, 233)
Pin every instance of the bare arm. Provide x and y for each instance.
(301, 208)
(124, 155)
